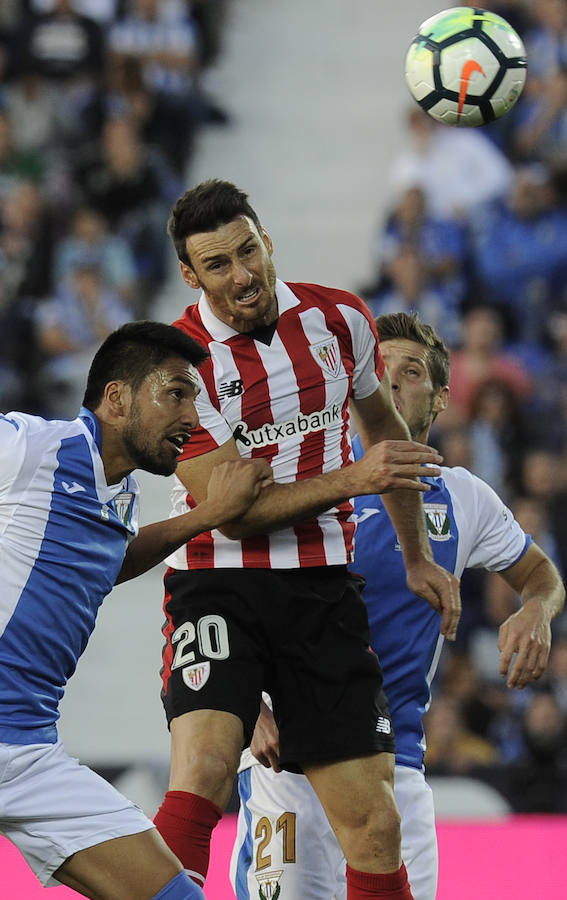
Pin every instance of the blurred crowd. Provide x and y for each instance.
(100, 104)
(476, 240)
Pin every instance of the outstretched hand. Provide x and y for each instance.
(389, 465)
(441, 589)
(235, 484)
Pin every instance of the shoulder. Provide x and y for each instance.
(465, 485)
(22, 435)
(479, 505)
(191, 323)
(321, 295)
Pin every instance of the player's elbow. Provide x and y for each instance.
(235, 530)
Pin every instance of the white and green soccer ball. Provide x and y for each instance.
(466, 66)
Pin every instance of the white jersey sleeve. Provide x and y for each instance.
(13, 439)
(369, 366)
(489, 536)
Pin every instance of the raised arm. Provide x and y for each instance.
(281, 505)
(527, 632)
(231, 487)
(377, 419)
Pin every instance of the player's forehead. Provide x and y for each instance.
(224, 240)
(395, 350)
(174, 372)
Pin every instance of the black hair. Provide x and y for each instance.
(205, 208)
(131, 352)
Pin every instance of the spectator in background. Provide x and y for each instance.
(407, 288)
(519, 253)
(89, 233)
(440, 243)
(537, 782)
(131, 187)
(481, 355)
(14, 345)
(15, 163)
(452, 749)
(532, 514)
(67, 48)
(499, 435)
(26, 240)
(544, 479)
(165, 40)
(69, 329)
(155, 114)
(457, 169)
(32, 111)
(557, 669)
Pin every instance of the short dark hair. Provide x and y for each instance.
(132, 351)
(407, 326)
(205, 208)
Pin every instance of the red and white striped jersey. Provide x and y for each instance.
(283, 396)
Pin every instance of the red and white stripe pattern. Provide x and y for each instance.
(286, 401)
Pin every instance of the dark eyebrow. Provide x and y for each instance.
(217, 256)
(186, 381)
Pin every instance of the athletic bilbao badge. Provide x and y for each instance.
(196, 676)
(438, 522)
(327, 354)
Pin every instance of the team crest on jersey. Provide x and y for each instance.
(123, 506)
(327, 354)
(196, 676)
(269, 884)
(438, 522)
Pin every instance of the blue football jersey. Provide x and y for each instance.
(63, 536)
(469, 527)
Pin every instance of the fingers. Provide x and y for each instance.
(450, 612)
(529, 639)
(408, 480)
(441, 589)
(393, 465)
(529, 665)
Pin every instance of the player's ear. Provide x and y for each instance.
(117, 397)
(441, 399)
(189, 276)
(268, 243)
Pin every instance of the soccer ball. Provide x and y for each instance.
(466, 66)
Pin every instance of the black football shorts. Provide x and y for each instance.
(300, 634)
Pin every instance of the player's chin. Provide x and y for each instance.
(164, 464)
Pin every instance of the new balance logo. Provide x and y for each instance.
(383, 725)
(230, 389)
(73, 488)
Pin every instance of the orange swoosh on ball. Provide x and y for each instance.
(469, 67)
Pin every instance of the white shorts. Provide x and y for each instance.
(284, 838)
(51, 806)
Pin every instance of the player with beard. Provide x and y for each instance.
(267, 602)
(68, 533)
(468, 526)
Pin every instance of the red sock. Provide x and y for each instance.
(185, 822)
(371, 885)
